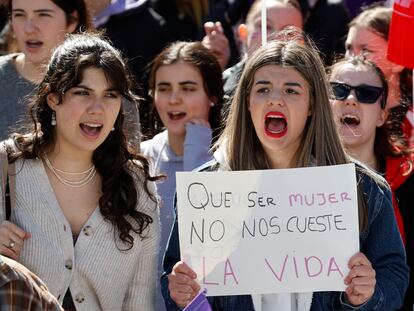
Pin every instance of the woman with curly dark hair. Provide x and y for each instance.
(85, 218)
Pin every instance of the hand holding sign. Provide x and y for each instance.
(292, 223)
(182, 285)
(360, 280)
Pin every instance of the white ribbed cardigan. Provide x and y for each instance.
(100, 277)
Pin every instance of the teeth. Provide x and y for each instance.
(92, 124)
(350, 116)
(175, 113)
(275, 117)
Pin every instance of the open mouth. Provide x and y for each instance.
(34, 44)
(350, 120)
(275, 124)
(91, 129)
(176, 115)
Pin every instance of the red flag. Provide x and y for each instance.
(401, 36)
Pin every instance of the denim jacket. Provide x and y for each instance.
(380, 242)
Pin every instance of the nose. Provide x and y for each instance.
(351, 100)
(30, 26)
(174, 98)
(95, 106)
(276, 98)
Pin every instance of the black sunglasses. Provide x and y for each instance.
(365, 94)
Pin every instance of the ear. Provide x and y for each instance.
(73, 24)
(382, 117)
(52, 100)
(243, 32)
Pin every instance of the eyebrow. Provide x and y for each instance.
(262, 82)
(36, 11)
(286, 84)
(81, 86)
(162, 83)
(188, 82)
(294, 84)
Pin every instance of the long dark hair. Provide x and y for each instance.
(195, 54)
(120, 166)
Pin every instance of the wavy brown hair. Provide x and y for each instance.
(120, 166)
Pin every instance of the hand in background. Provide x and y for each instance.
(216, 41)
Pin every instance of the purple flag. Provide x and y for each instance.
(199, 303)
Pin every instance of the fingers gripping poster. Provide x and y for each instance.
(269, 231)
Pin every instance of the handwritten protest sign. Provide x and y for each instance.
(257, 232)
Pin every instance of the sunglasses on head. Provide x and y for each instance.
(365, 94)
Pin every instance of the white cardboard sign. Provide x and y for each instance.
(269, 231)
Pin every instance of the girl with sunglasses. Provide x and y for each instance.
(287, 79)
(360, 91)
(368, 36)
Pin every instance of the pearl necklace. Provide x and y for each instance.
(90, 174)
